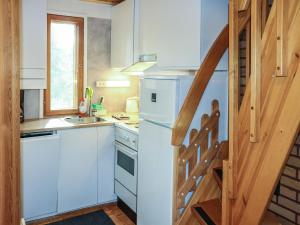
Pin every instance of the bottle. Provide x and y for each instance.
(82, 107)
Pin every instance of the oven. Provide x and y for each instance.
(126, 157)
(126, 167)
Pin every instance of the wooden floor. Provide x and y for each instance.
(112, 210)
(117, 215)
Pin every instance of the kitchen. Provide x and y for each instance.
(101, 133)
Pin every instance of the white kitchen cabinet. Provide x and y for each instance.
(180, 32)
(123, 32)
(106, 157)
(40, 163)
(77, 184)
(33, 44)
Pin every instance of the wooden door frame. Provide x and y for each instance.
(10, 112)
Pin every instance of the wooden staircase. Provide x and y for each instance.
(233, 182)
(210, 212)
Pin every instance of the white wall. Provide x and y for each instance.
(79, 8)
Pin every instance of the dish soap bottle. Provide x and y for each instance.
(82, 107)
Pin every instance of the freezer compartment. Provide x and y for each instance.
(159, 100)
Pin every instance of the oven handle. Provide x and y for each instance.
(126, 150)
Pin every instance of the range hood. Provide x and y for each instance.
(145, 63)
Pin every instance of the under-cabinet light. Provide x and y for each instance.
(113, 83)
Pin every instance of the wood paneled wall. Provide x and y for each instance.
(9, 113)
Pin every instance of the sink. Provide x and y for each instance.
(84, 120)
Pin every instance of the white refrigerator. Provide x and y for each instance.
(160, 102)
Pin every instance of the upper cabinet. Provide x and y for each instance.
(33, 44)
(123, 34)
(181, 32)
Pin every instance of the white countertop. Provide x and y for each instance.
(51, 124)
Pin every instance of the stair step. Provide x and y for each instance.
(271, 219)
(208, 212)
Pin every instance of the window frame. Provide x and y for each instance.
(79, 21)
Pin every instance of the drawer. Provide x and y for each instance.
(127, 138)
(39, 73)
(125, 195)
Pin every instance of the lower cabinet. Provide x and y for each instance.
(106, 157)
(77, 184)
(67, 170)
(39, 170)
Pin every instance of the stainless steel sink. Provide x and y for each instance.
(84, 120)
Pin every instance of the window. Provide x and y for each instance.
(65, 65)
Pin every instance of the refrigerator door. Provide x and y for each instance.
(155, 175)
(159, 100)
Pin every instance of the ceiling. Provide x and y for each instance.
(111, 2)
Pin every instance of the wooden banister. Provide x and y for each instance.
(244, 4)
(198, 87)
(256, 36)
(281, 37)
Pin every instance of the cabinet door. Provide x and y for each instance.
(151, 15)
(122, 34)
(40, 163)
(33, 35)
(106, 157)
(77, 185)
(171, 29)
(179, 40)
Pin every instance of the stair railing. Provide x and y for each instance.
(187, 113)
(185, 184)
(190, 168)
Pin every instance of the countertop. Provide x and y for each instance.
(51, 124)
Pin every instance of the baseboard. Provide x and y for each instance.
(128, 211)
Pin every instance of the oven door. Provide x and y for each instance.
(126, 167)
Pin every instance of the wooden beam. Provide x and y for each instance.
(226, 208)
(281, 12)
(9, 113)
(255, 78)
(233, 96)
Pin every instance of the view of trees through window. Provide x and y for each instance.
(65, 64)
